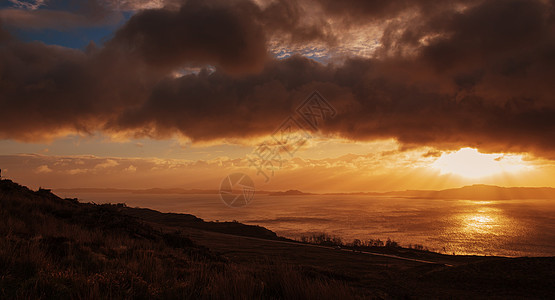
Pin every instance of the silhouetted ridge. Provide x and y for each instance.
(186, 220)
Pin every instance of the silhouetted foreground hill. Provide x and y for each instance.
(57, 248)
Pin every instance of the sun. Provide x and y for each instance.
(469, 162)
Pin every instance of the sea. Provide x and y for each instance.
(463, 227)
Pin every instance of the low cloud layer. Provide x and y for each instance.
(463, 73)
(379, 170)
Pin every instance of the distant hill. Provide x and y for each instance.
(472, 192)
(482, 192)
(290, 193)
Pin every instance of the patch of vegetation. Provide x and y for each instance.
(324, 239)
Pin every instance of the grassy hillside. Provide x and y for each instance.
(57, 248)
(60, 249)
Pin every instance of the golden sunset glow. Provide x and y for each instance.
(469, 162)
(277, 149)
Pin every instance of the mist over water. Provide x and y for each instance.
(507, 227)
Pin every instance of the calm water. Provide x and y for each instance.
(509, 228)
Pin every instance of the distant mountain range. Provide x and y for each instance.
(472, 192)
(481, 192)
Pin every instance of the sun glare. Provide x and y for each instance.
(469, 162)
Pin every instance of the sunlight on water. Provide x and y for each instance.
(484, 228)
(485, 221)
(508, 228)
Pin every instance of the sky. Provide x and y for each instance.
(315, 95)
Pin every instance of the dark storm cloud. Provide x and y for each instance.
(370, 105)
(229, 34)
(455, 74)
(198, 32)
(49, 90)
